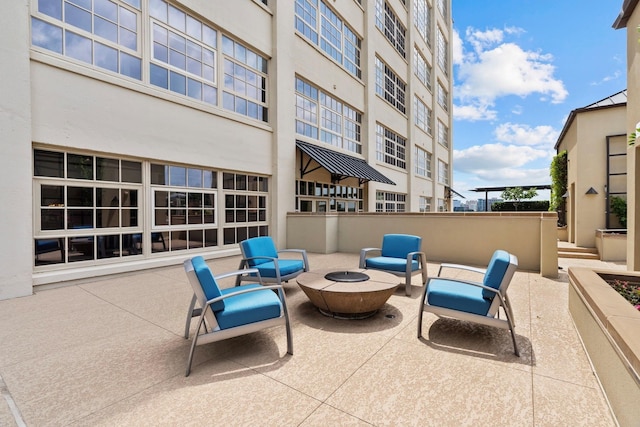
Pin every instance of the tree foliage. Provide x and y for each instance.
(558, 171)
(619, 208)
(517, 194)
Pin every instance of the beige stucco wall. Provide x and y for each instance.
(466, 238)
(15, 160)
(586, 145)
(633, 117)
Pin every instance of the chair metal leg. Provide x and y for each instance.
(193, 312)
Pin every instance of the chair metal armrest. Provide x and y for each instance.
(302, 252)
(239, 273)
(461, 267)
(363, 255)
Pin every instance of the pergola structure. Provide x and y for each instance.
(488, 190)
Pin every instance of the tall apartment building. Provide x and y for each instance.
(139, 132)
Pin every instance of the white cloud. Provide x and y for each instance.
(474, 113)
(495, 159)
(522, 134)
(496, 68)
(456, 46)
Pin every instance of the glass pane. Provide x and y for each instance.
(78, 17)
(195, 239)
(229, 216)
(52, 8)
(195, 200)
(194, 28)
(46, 35)
(158, 9)
(195, 216)
(209, 216)
(79, 218)
(209, 201)
(228, 180)
(264, 184)
(254, 232)
(108, 197)
(161, 199)
(129, 217)
(177, 18)
(131, 171)
(107, 218)
(79, 167)
(229, 236)
(159, 242)
(52, 219)
(209, 36)
(131, 244)
(78, 47)
(80, 248)
(108, 246)
(178, 217)
(80, 196)
(107, 169)
(241, 215)
(106, 9)
(128, 19)
(49, 251)
(178, 176)
(52, 195)
(159, 76)
(178, 83)
(106, 57)
(211, 237)
(106, 29)
(129, 198)
(178, 199)
(194, 177)
(128, 39)
(159, 174)
(178, 240)
(130, 66)
(241, 234)
(241, 182)
(209, 179)
(162, 217)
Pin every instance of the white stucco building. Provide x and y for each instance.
(136, 133)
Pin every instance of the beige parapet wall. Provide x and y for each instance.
(455, 237)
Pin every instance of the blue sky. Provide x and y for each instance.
(520, 67)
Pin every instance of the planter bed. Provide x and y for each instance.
(609, 327)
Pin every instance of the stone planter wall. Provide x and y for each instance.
(563, 234)
(608, 326)
(612, 245)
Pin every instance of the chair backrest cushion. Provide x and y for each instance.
(399, 245)
(496, 271)
(207, 281)
(258, 246)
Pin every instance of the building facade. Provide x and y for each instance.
(139, 132)
(595, 140)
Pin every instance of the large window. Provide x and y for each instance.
(422, 162)
(443, 52)
(422, 69)
(321, 116)
(443, 172)
(425, 204)
(422, 115)
(422, 19)
(336, 38)
(180, 51)
(322, 197)
(390, 147)
(389, 86)
(184, 208)
(245, 80)
(387, 21)
(103, 33)
(443, 97)
(390, 202)
(88, 207)
(442, 7)
(443, 134)
(245, 207)
(184, 53)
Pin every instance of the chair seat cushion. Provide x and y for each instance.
(390, 264)
(457, 296)
(248, 308)
(287, 267)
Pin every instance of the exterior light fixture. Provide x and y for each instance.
(591, 190)
(565, 195)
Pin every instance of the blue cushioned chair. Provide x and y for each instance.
(400, 255)
(474, 301)
(227, 313)
(261, 253)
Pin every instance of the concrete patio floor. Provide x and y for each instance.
(111, 352)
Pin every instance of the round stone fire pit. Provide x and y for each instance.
(348, 294)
